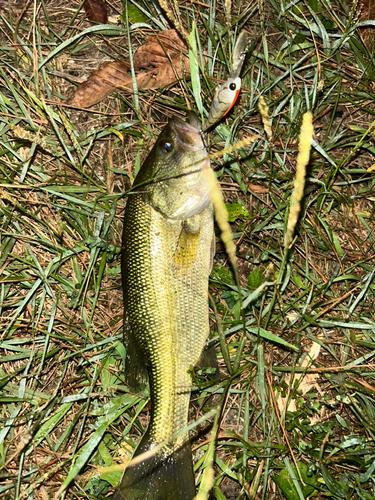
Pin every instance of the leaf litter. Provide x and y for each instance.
(96, 11)
(158, 63)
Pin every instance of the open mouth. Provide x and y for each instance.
(187, 134)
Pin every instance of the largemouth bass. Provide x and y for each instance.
(168, 247)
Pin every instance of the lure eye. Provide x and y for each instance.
(166, 146)
(232, 86)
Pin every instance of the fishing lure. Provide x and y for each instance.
(226, 94)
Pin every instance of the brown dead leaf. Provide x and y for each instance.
(100, 83)
(158, 63)
(257, 189)
(367, 9)
(96, 11)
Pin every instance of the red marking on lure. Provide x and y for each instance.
(234, 100)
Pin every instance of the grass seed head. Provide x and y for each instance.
(303, 157)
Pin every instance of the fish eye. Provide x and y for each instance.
(166, 146)
(232, 86)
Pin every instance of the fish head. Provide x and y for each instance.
(173, 174)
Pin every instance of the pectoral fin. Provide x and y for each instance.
(188, 243)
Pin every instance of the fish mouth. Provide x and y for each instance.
(187, 134)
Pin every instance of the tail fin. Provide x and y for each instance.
(159, 477)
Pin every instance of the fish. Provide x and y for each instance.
(168, 249)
